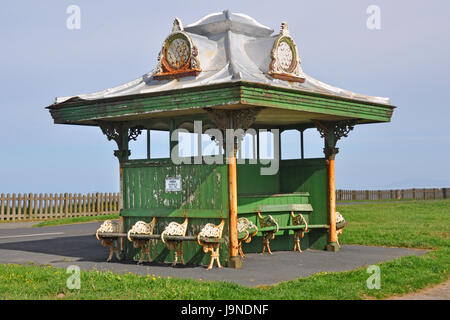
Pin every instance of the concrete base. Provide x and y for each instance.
(235, 262)
(332, 246)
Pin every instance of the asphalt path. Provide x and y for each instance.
(75, 244)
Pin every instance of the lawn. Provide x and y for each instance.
(57, 222)
(414, 224)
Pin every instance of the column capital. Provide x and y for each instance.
(332, 132)
(233, 119)
(121, 134)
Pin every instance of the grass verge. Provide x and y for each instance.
(57, 222)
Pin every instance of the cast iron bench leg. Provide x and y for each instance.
(145, 249)
(214, 249)
(298, 234)
(214, 256)
(241, 252)
(178, 247)
(113, 248)
(338, 232)
(266, 241)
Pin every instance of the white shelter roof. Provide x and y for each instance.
(231, 47)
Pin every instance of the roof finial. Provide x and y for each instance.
(177, 25)
(284, 29)
(227, 14)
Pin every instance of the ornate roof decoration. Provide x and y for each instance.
(231, 47)
(285, 64)
(178, 56)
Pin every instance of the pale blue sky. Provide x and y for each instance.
(407, 60)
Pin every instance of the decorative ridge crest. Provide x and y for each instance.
(177, 25)
(285, 64)
(178, 56)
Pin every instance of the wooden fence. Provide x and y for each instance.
(413, 194)
(30, 206)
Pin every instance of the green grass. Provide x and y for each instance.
(57, 222)
(412, 224)
(418, 224)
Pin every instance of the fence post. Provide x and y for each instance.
(2, 207)
(30, 205)
(98, 202)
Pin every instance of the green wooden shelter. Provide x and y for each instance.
(227, 71)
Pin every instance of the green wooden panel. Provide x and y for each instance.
(171, 212)
(309, 175)
(262, 95)
(250, 180)
(274, 203)
(204, 187)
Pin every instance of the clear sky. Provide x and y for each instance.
(408, 60)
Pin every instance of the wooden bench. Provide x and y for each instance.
(109, 234)
(174, 235)
(210, 238)
(246, 231)
(139, 229)
(340, 224)
(269, 226)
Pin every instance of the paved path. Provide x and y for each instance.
(438, 292)
(17, 225)
(61, 246)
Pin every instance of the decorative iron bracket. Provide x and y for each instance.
(332, 131)
(233, 119)
(114, 131)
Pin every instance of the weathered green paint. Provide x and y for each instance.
(203, 199)
(299, 186)
(77, 111)
(321, 104)
(274, 203)
(202, 187)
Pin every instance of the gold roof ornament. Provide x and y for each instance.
(178, 56)
(285, 64)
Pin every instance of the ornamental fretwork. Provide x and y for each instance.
(113, 131)
(238, 120)
(332, 132)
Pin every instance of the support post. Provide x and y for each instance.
(332, 132)
(235, 259)
(332, 206)
(148, 144)
(302, 145)
(233, 119)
